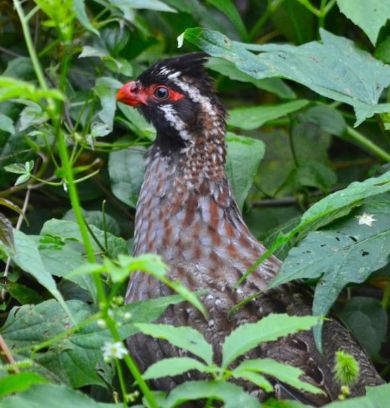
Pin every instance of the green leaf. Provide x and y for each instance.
(341, 202)
(273, 85)
(6, 124)
(326, 118)
(186, 338)
(348, 252)
(282, 372)
(126, 169)
(367, 320)
(73, 358)
(173, 366)
(253, 377)
(19, 382)
(376, 397)
(243, 157)
(81, 14)
(106, 89)
(137, 123)
(27, 257)
(270, 328)
(53, 395)
(11, 88)
(232, 395)
(370, 16)
(333, 68)
(229, 9)
(69, 230)
(255, 116)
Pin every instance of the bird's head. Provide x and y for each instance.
(177, 96)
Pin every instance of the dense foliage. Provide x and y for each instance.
(306, 83)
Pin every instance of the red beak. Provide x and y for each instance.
(131, 94)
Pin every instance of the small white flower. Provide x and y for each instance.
(101, 323)
(113, 350)
(127, 316)
(366, 219)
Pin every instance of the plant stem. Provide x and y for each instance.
(367, 144)
(121, 381)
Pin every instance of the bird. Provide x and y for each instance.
(186, 213)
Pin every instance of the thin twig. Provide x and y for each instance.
(7, 354)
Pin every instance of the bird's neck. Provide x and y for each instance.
(201, 159)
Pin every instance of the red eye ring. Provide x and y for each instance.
(161, 93)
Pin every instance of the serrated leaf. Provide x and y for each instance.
(348, 252)
(282, 372)
(243, 158)
(250, 335)
(19, 382)
(173, 366)
(273, 85)
(232, 395)
(126, 169)
(249, 118)
(186, 338)
(333, 68)
(370, 16)
(53, 395)
(253, 377)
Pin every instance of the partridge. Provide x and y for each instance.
(186, 213)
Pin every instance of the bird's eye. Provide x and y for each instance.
(161, 92)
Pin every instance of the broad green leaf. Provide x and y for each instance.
(333, 68)
(69, 230)
(367, 320)
(137, 123)
(128, 6)
(270, 328)
(348, 252)
(186, 338)
(326, 118)
(73, 358)
(106, 89)
(341, 202)
(232, 395)
(370, 16)
(376, 397)
(28, 258)
(243, 157)
(282, 372)
(89, 51)
(24, 294)
(53, 395)
(253, 377)
(81, 14)
(11, 88)
(19, 382)
(126, 169)
(103, 221)
(229, 9)
(273, 85)
(6, 124)
(382, 50)
(313, 174)
(249, 118)
(173, 366)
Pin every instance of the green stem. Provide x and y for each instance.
(122, 382)
(367, 144)
(54, 111)
(386, 297)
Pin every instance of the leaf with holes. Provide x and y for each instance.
(347, 252)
